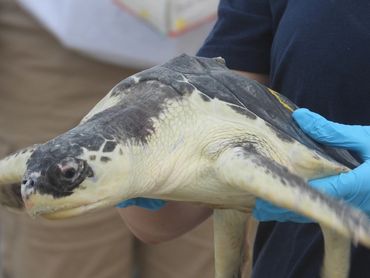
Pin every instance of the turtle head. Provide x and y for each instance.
(66, 178)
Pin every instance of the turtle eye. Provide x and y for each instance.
(68, 168)
(69, 173)
(66, 174)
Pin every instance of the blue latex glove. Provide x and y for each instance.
(150, 204)
(353, 187)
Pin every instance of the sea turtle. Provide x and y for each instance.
(189, 130)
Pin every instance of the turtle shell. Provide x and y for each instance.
(211, 77)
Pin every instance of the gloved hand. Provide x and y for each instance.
(353, 187)
(150, 204)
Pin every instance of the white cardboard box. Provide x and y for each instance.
(99, 28)
(172, 17)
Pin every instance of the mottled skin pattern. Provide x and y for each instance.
(189, 130)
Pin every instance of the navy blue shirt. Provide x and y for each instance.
(317, 53)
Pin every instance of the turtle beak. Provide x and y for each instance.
(28, 189)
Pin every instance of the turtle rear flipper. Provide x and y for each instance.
(229, 235)
(256, 174)
(12, 169)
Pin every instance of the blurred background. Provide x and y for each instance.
(57, 59)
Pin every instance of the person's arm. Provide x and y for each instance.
(169, 222)
(259, 77)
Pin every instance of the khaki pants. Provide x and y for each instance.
(45, 90)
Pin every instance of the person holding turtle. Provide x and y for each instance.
(313, 52)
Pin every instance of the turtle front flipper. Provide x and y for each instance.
(248, 171)
(12, 169)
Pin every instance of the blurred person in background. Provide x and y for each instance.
(45, 90)
(315, 53)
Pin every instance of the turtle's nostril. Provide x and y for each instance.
(28, 183)
(27, 189)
